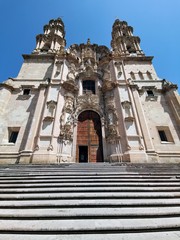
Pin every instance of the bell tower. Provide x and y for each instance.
(52, 41)
(123, 42)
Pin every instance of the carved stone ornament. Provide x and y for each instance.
(89, 62)
(110, 104)
(128, 112)
(128, 147)
(70, 83)
(112, 134)
(60, 51)
(69, 103)
(108, 85)
(88, 100)
(51, 104)
(126, 104)
(89, 73)
(141, 147)
(106, 72)
(72, 72)
(129, 119)
(119, 70)
(103, 52)
(118, 66)
(112, 117)
(88, 53)
(66, 132)
(167, 85)
(36, 148)
(48, 118)
(70, 86)
(72, 54)
(58, 65)
(50, 147)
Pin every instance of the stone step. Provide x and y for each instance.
(97, 165)
(89, 171)
(90, 225)
(52, 180)
(63, 213)
(89, 168)
(108, 184)
(88, 176)
(87, 195)
(166, 235)
(89, 189)
(91, 202)
(93, 172)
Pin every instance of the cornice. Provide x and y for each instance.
(133, 58)
(4, 85)
(39, 56)
(147, 81)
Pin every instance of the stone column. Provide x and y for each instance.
(80, 87)
(38, 45)
(104, 142)
(52, 46)
(124, 47)
(41, 44)
(74, 143)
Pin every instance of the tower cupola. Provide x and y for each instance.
(123, 42)
(53, 39)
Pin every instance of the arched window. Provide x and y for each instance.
(88, 86)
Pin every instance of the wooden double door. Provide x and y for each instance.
(89, 138)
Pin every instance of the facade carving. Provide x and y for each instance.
(88, 103)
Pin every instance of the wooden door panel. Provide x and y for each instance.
(89, 134)
(93, 150)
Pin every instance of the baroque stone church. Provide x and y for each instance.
(88, 103)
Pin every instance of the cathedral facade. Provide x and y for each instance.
(88, 103)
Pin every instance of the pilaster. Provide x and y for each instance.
(5, 94)
(143, 124)
(26, 154)
(174, 102)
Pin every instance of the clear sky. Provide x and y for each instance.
(156, 22)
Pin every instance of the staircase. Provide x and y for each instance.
(90, 202)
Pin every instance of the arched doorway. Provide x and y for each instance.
(89, 138)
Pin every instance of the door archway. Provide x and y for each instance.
(89, 138)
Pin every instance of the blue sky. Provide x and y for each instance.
(156, 22)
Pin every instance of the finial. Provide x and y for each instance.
(88, 41)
